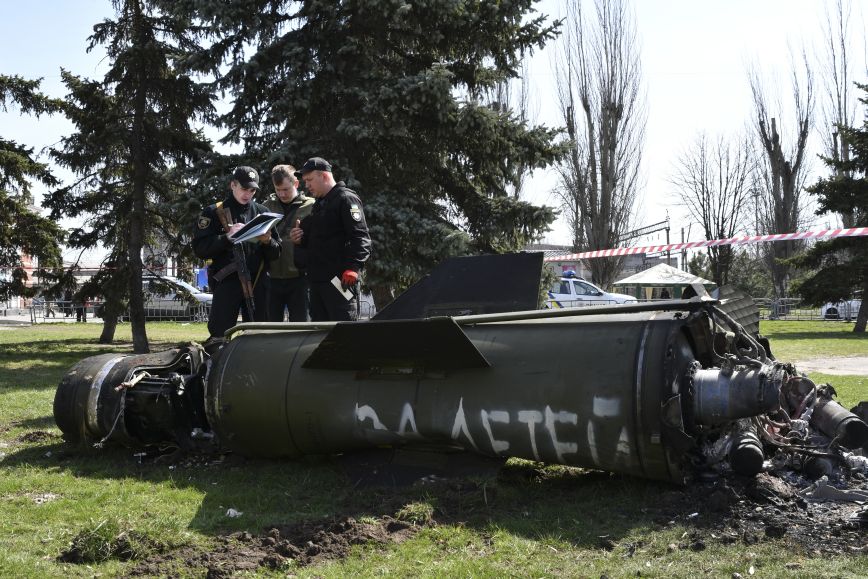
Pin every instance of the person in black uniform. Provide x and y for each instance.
(210, 241)
(332, 242)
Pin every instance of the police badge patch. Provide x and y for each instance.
(355, 212)
(204, 222)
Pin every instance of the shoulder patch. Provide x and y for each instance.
(204, 222)
(355, 212)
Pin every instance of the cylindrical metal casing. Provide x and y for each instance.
(837, 422)
(88, 407)
(85, 403)
(721, 397)
(746, 455)
(584, 391)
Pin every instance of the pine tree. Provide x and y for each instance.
(22, 230)
(841, 264)
(388, 92)
(134, 133)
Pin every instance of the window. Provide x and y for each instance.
(561, 287)
(585, 289)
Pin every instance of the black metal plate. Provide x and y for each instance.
(435, 344)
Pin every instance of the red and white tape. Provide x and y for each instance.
(742, 240)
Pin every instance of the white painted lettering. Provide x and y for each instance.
(460, 425)
(498, 446)
(607, 407)
(366, 412)
(407, 417)
(592, 443)
(561, 448)
(531, 418)
(623, 451)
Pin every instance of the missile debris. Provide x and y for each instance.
(663, 390)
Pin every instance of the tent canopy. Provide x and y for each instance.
(662, 274)
(661, 281)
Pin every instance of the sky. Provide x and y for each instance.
(695, 58)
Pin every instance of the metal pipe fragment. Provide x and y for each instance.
(838, 423)
(729, 394)
(746, 456)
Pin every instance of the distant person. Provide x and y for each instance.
(288, 286)
(211, 241)
(333, 240)
(80, 303)
(66, 305)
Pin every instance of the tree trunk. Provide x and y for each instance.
(137, 214)
(382, 295)
(110, 322)
(862, 318)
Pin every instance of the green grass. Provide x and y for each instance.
(531, 521)
(811, 340)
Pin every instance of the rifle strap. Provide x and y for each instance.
(226, 271)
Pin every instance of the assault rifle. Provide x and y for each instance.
(240, 263)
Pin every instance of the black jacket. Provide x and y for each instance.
(210, 242)
(335, 236)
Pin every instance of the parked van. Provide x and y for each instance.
(169, 298)
(572, 291)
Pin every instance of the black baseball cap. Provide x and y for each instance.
(313, 164)
(246, 176)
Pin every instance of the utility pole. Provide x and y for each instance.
(683, 253)
(668, 252)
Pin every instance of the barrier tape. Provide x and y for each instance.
(741, 240)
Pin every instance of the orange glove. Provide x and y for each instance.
(349, 278)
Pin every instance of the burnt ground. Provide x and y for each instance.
(731, 510)
(301, 545)
(752, 510)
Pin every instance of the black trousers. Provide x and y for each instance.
(327, 304)
(229, 300)
(288, 293)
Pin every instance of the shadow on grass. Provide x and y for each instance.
(36, 366)
(41, 423)
(585, 508)
(46, 362)
(783, 336)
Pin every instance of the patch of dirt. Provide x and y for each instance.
(280, 547)
(848, 366)
(37, 436)
(89, 546)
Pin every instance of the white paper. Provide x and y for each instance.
(259, 225)
(344, 292)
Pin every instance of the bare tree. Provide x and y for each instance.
(783, 173)
(599, 84)
(714, 181)
(837, 105)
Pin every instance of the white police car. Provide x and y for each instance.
(573, 291)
